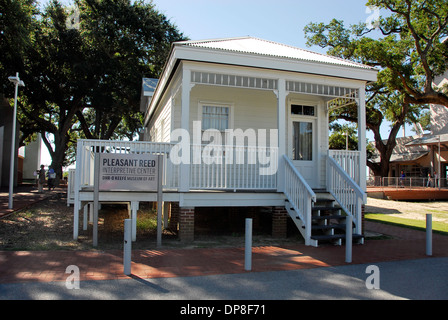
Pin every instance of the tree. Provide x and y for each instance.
(85, 80)
(16, 20)
(58, 78)
(409, 54)
(129, 41)
(342, 137)
(413, 50)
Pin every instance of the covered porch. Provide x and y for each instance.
(240, 180)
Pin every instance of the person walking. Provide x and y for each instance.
(41, 179)
(429, 183)
(402, 177)
(51, 177)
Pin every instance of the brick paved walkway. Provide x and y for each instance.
(25, 266)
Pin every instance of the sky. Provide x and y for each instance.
(275, 20)
(281, 20)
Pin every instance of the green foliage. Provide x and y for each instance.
(83, 67)
(16, 23)
(410, 50)
(340, 134)
(409, 53)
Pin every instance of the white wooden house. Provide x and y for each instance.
(268, 103)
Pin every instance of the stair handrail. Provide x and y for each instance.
(299, 194)
(349, 180)
(349, 196)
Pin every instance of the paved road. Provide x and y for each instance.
(409, 279)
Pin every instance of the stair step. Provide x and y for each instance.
(323, 195)
(328, 217)
(355, 236)
(328, 226)
(325, 208)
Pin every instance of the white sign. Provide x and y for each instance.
(128, 172)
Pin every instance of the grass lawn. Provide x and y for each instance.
(437, 227)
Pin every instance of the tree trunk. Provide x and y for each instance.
(386, 149)
(57, 154)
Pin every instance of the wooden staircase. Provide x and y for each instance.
(328, 221)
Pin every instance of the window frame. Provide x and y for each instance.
(203, 104)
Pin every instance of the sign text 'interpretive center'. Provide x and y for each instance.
(130, 172)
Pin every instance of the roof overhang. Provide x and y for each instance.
(429, 140)
(248, 59)
(181, 51)
(404, 157)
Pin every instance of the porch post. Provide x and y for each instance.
(184, 174)
(281, 126)
(77, 183)
(362, 137)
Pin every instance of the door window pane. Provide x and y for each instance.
(302, 141)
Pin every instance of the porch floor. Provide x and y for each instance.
(193, 198)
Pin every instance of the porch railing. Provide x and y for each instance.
(223, 167)
(410, 183)
(299, 195)
(86, 155)
(346, 192)
(349, 161)
(233, 167)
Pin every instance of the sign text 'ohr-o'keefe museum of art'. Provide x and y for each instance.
(130, 172)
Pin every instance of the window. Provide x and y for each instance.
(302, 110)
(215, 117)
(302, 148)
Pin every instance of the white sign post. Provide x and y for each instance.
(127, 247)
(96, 197)
(128, 172)
(159, 199)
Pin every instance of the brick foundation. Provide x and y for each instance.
(279, 222)
(186, 224)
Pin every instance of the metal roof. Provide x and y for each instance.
(429, 140)
(251, 45)
(403, 157)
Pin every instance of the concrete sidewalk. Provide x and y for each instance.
(421, 279)
(45, 266)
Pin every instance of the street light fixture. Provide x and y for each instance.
(17, 82)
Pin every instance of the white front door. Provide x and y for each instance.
(303, 142)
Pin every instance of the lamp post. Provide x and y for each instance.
(17, 82)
